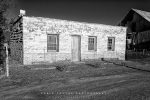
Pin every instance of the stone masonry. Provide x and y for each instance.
(16, 43)
(36, 29)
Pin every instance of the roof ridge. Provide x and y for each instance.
(144, 14)
(139, 10)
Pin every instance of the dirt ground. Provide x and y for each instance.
(87, 80)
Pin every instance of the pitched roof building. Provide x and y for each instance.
(138, 32)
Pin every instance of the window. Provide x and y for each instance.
(92, 43)
(111, 43)
(53, 43)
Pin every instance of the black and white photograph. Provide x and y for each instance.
(74, 49)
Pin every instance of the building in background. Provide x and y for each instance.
(138, 31)
(36, 40)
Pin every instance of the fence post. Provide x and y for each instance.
(7, 66)
(143, 51)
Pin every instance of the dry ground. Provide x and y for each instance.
(88, 80)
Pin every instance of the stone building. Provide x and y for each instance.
(36, 40)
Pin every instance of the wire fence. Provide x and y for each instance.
(137, 54)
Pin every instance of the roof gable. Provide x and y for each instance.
(144, 14)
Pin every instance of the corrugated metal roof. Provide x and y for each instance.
(144, 14)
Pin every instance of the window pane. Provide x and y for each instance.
(54, 39)
(109, 47)
(91, 43)
(91, 47)
(54, 48)
(48, 48)
(52, 42)
(111, 41)
(49, 38)
(89, 40)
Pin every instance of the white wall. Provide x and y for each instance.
(35, 30)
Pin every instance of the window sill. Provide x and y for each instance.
(52, 51)
(111, 50)
(92, 51)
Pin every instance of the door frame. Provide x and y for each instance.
(79, 47)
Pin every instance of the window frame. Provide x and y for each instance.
(95, 43)
(112, 45)
(57, 43)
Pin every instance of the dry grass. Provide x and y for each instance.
(25, 80)
(26, 75)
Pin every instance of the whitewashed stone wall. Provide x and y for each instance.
(35, 30)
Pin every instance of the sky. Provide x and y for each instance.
(109, 12)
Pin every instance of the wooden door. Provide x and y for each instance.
(76, 53)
